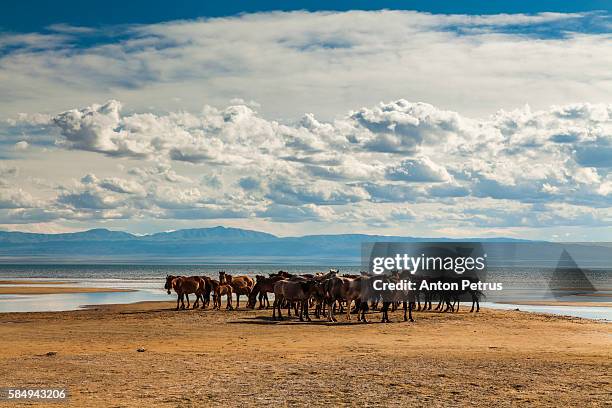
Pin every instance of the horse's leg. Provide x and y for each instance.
(301, 314)
(237, 300)
(349, 301)
(307, 316)
(410, 307)
(274, 310)
(386, 313)
(305, 306)
(178, 297)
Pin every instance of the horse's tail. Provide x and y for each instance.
(479, 294)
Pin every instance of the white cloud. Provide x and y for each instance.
(350, 161)
(457, 169)
(314, 62)
(15, 198)
(421, 169)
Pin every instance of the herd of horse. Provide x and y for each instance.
(324, 293)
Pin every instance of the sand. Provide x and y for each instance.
(33, 290)
(242, 358)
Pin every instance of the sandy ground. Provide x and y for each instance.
(33, 290)
(243, 358)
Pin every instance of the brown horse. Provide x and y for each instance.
(205, 292)
(297, 292)
(183, 286)
(223, 288)
(241, 285)
(263, 286)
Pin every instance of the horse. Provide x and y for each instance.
(183, 286)
(223, 288)
(292, 291)
(241, 285)
(405, 296)
(206, 291)
(263, 286)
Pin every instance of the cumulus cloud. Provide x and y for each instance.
(393, 163)
(233, 163)
(15, 198)
(421, 169)
(96, 129)
(302, 213)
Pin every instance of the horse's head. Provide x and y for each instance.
(221, 276)
(252, 299)
(168, 285)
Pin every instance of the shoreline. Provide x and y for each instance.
(34, 290)
(556, 303)
(561, 309)
(34, 282)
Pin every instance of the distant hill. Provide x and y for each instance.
(211, 234)
(218, 244)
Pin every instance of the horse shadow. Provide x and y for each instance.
(267, 320)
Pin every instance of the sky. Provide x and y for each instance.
(455, 119)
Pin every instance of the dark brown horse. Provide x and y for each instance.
(297, 292)
(263, 286)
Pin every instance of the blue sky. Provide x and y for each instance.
(148, 118)
(35, 15)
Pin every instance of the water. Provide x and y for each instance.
(586, 312)
(526, 284)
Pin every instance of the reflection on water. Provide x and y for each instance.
(586, 312)
(74, 301)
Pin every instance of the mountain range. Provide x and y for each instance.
(217, 244)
